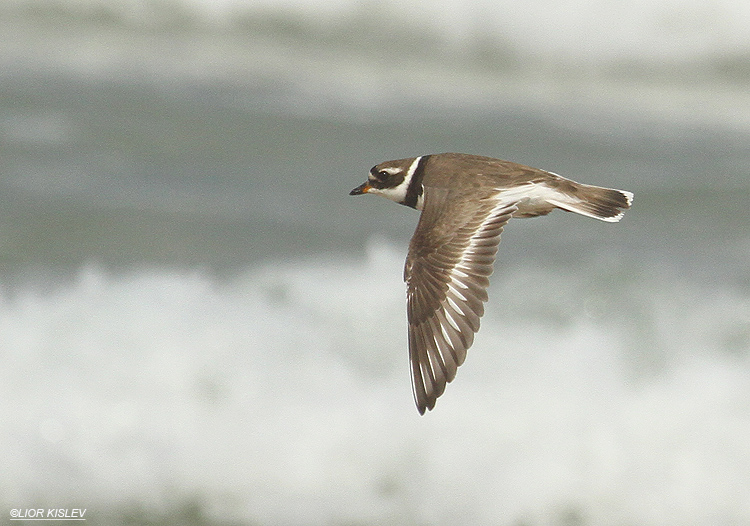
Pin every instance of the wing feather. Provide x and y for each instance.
(451, 256)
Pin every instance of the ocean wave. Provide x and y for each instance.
(654, 60)
(582, 34)
(282, 397)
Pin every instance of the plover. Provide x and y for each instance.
(466, 200)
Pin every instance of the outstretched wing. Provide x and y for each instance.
(447, 269)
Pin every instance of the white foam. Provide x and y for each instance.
(282, 397)
(582, 30)
(680, 60)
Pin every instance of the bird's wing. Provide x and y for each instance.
(447, 269)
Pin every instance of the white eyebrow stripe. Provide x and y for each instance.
(398, 193)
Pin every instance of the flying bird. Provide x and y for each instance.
(466, 200)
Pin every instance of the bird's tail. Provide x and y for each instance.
(606, 204)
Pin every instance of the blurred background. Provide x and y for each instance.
(199, 326)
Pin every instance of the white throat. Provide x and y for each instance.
(398, 193)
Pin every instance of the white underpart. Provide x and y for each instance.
(532, 195)
(398, 193)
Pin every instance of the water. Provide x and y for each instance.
(199, 326)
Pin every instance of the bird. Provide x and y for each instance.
(465, 202)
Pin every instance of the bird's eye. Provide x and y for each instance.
(382, 174)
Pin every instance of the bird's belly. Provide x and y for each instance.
(533, 206)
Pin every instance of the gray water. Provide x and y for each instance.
(199, 325)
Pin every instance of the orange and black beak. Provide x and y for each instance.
(361, 189)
